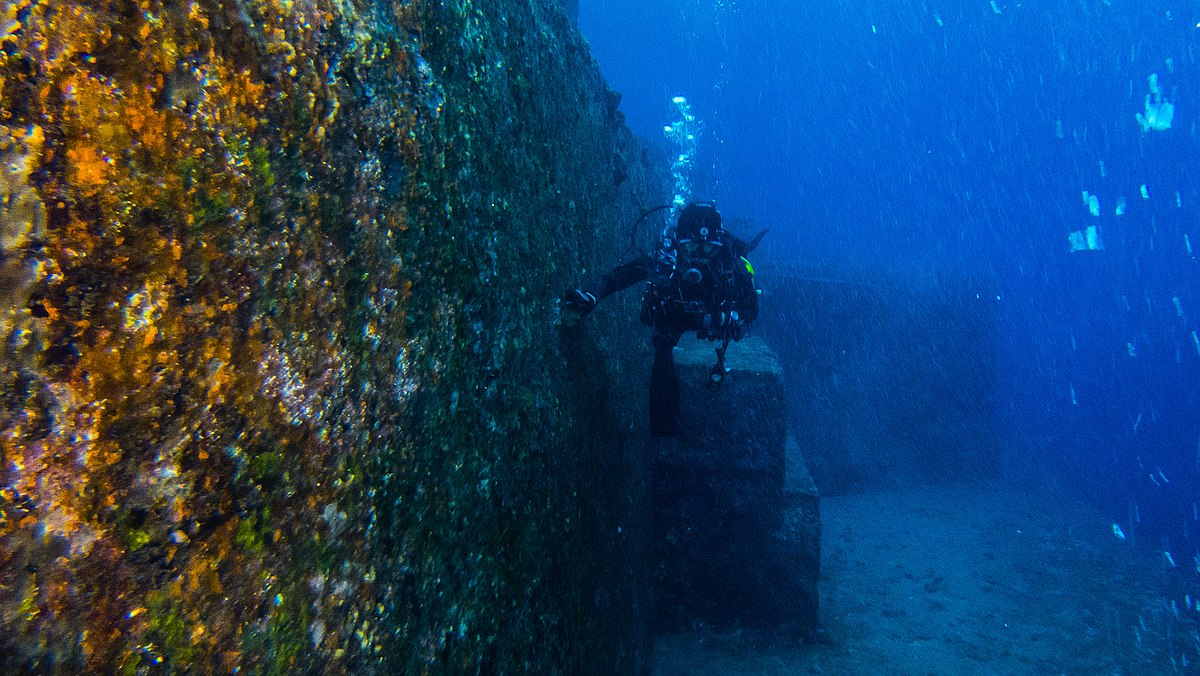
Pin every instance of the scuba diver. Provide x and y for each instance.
(700, 281)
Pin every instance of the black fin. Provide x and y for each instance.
(753, 244)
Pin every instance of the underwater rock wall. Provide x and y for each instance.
(283, 388)
(891, 381)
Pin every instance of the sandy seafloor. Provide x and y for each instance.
(955, 580)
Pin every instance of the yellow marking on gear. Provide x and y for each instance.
(749, 268)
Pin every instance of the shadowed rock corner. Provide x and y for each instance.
(737, 523)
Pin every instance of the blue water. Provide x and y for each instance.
(935, 138)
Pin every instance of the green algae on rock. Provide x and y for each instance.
(283, 388)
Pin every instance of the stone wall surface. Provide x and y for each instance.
(891, 379)
(282, 382)
(737, 523)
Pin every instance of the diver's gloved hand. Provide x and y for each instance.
(580, 301)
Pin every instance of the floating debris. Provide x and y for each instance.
(1158, 113)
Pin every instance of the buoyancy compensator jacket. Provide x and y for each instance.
(705, 286)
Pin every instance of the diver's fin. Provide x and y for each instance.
(753, 244)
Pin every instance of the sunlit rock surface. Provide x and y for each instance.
(282, 385)
(737, 528)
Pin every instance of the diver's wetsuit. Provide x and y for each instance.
(717, 300)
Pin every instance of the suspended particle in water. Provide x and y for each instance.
(1103, 171)
(1116, 528)
(1178, 199)
(1178, 306)
(1145, 192)
(1169, 559)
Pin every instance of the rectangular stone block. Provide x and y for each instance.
(736, 514)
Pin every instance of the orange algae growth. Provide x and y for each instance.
(89, 168)
(173, 314)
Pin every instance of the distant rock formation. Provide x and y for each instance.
(737, 522)
(891, 381)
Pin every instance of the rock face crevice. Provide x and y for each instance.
(283, 387)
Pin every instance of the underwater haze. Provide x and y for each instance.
(1045, 152)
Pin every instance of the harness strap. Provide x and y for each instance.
(717, 375)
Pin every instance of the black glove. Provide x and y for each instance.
(580, 301)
